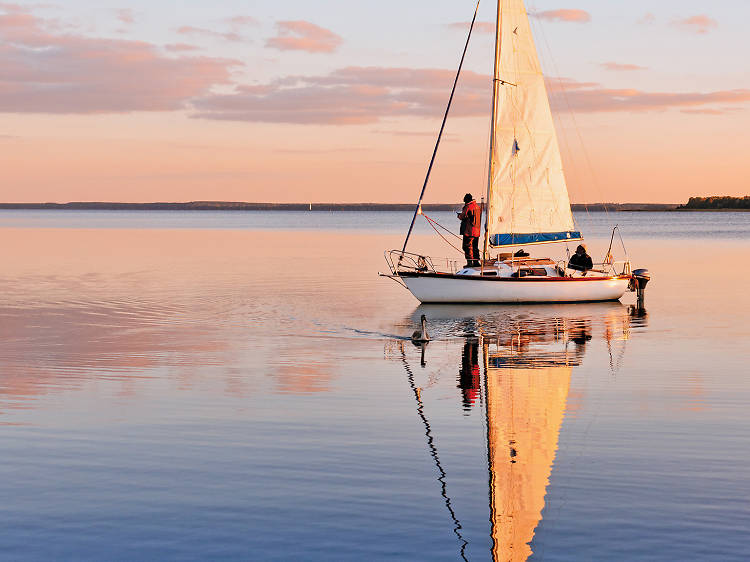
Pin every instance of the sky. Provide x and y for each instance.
(334, 101)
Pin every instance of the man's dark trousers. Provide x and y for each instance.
(471, 250)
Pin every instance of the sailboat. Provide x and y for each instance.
(527, 200)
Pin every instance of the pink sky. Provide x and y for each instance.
(140, 104)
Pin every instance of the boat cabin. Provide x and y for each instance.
(516, 267)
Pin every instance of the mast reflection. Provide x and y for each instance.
(528, 356)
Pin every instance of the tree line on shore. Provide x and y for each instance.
(717, 202)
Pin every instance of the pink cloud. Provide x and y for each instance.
(697, 24)
(718, 111)
(180, 47)
(352, 95)
(47, 72)
(400, 78)
(591, 98)
(357, 95)
(647, 19)
(201, 31)
(449, 137)
(304, 36)
(480, 26)
(619, 67)
(564, 15)
(126, 15)
(242, 21)
(10, 8)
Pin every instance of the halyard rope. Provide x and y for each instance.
(433, 222)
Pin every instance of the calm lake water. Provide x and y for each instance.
(198, 385)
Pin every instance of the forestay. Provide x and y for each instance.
(528, 198)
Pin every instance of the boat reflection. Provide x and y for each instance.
(468, 375)
(527, 355)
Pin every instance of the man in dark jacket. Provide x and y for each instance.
(471, 219)
(581, 261)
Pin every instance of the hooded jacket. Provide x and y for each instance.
(471, 218)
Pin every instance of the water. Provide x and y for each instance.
(633, 225)
(241, 386)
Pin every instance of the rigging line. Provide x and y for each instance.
(441, 226)
(624, 249)
(434, 454)
(440, 134)
(563, 141)
(562, 137)
(484, 178)
(575, 122)
(443, 237)
(611, 240)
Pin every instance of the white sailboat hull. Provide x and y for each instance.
(437, 288)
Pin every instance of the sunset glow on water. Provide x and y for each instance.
(246, 392)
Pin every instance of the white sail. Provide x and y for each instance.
(528, 197)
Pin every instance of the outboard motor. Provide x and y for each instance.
(641, 277)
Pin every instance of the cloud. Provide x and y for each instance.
(336, 150)
(180, 47)
(13, 8)
(591, 98)
(304, 36)
(646, 19)
(50, 72)
(351, 95)
(697, 24)
(361, 95)
(619, 67)
(575, 16)
(480, 26)
(235, 23)
(447, 137)
(126, 15)
(241, 21)
(203, 32)
(717, 111)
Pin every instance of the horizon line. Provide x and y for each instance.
(276, 204)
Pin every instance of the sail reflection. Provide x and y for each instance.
(525, 406)
(528, 355)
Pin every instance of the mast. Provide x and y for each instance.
(496, 82)
(418, 209)
(527, 192)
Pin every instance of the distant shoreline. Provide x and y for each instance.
(329, 207)
(717, 203)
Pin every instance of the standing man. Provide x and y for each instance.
(471, 219)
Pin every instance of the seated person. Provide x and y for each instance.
(581, 261)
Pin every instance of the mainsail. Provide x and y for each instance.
(527, 195)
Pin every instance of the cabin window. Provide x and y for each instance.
(530, 272)
(490, 273)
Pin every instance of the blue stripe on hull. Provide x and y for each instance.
(536, 238)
